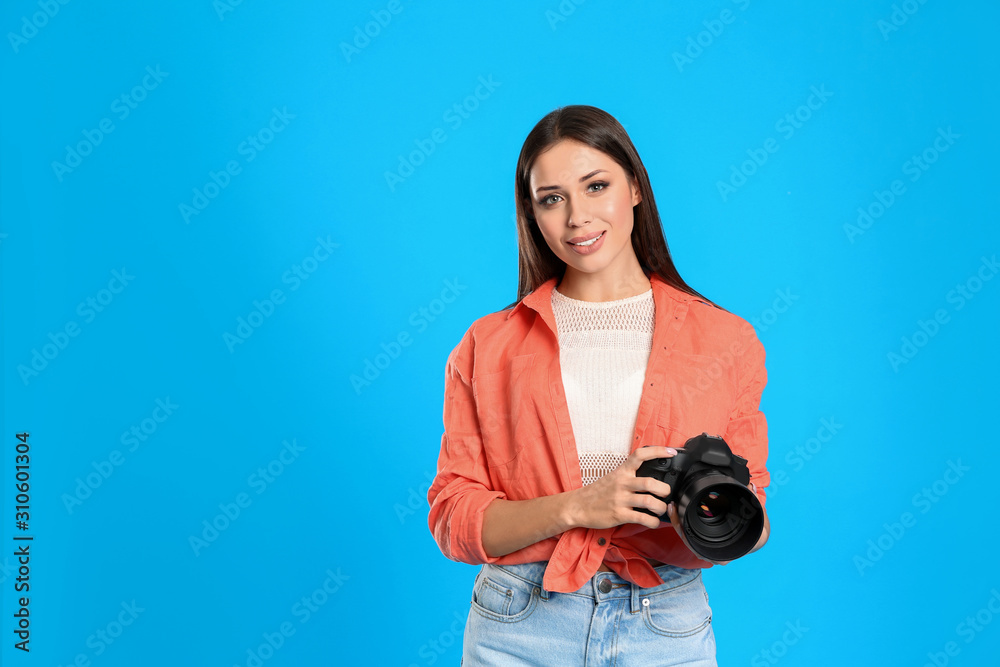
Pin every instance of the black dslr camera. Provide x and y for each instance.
(721, 518)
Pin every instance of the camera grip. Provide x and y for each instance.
(662, 470)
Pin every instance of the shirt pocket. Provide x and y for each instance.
(699, 397)
(505, 406)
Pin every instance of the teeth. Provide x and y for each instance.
(591, 241)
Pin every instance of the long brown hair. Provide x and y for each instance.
(600, 130)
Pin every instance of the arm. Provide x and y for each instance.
(474, 522)
(510, 525)
(461, 490)
(746, 432)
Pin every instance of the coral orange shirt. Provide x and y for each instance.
(507, 431)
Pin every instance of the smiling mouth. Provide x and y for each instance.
(590, 242)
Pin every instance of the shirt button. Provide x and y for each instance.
(604, 586)
(601, 541)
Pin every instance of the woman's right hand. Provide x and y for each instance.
(609, 501)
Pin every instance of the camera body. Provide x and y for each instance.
(707, 454)
(721, 518)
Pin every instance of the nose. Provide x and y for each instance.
(578, 214)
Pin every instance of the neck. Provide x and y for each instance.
(604, 287)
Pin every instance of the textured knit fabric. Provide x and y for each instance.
(603, 350)
(508, 433)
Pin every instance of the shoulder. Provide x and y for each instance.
(723, 320)
(488, 326)
(701, 313)
(714, 330)
(481, 336)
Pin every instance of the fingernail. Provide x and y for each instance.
(671, 450)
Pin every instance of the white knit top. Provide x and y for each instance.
(603, 351)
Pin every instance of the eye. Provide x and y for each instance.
(602, 185)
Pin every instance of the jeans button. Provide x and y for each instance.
(604, 586)
(601, 541)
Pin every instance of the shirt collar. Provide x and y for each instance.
(540, 300)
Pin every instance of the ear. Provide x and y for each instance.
(636, 195)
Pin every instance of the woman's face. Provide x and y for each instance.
(579, 194)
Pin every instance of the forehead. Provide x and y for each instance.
(566, 161)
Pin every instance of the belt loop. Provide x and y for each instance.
(635, 598)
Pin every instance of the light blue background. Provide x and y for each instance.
(342, 504)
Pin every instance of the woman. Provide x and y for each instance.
(607, 359)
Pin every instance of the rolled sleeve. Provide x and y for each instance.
(746, 432)
(461, 490)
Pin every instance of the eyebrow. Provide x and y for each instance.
(556, 187)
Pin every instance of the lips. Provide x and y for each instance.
(588, 237)
(594, 243)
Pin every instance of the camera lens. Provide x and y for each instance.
(713, 508)
(721, 518)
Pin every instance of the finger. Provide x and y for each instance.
(644, 520)
(650, 452)
(652, 503)
(650, 485)
(675, 519)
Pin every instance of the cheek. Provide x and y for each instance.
(551, 237)
(618, 211)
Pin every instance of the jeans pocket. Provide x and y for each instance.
(678, 612)
(501, 596)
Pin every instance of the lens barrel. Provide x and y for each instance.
(722, 519)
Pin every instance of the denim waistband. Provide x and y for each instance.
(615, 587)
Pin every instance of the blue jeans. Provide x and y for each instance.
(514, 621)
